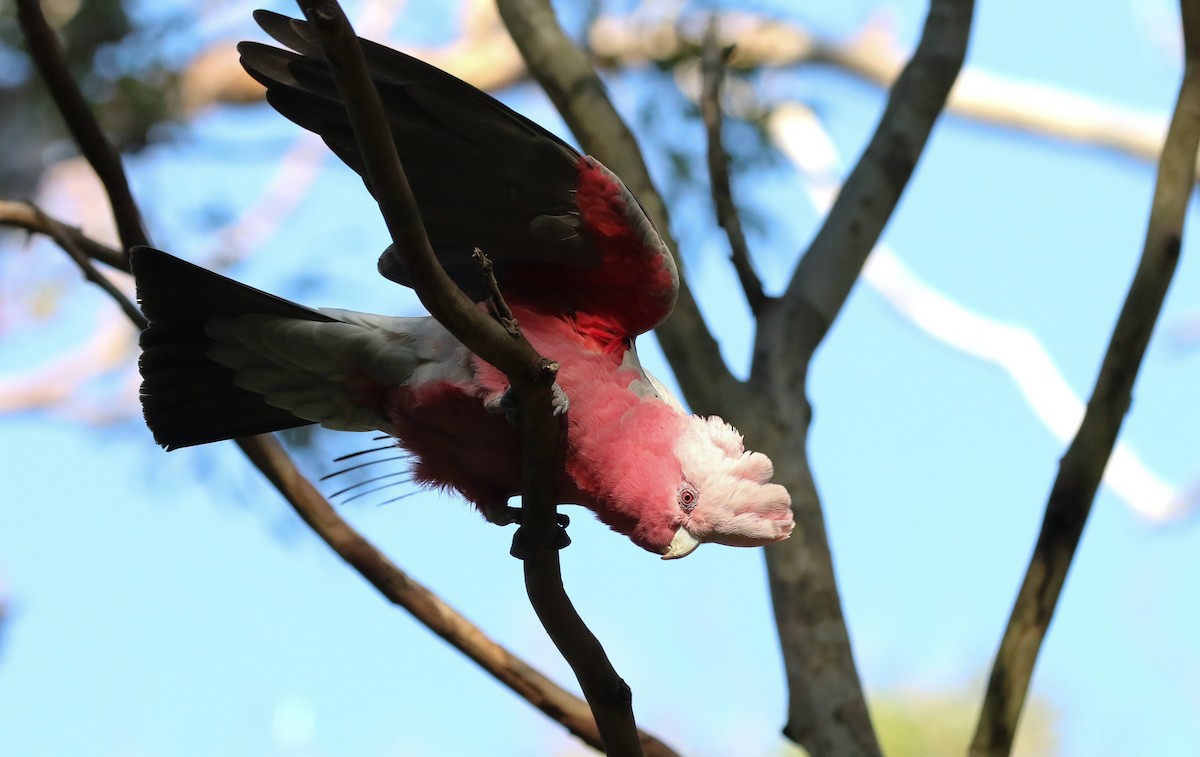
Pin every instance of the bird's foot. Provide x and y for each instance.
(561, 538)
(506, 404)
(561, 403)
(503, 515)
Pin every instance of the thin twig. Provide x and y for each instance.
(1083, 464)
(712, 68)
(47, 55)
(607, 693)
(23, 215)
(497, 306)
(61, 234)
(875, 54)
(530, 375)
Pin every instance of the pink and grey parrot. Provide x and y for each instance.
(575, 256)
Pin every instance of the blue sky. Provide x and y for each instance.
(172, 605)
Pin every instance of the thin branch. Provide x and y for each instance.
(1083, 464)
(577, 92)
(712, 68)
(830, 267)
(67, 240)
(23, 215)
(47, 54)
(1015, 350)
(875, 55)
(530, 375)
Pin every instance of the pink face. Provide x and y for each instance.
(673, 481)
(733, 504)
(718, 493)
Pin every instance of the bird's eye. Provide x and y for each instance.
(687, 497)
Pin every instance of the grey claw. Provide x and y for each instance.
(506, 405)
(561, 402)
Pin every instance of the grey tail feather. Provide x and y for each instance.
(188, 399)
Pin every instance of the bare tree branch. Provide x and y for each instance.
(575, 89)
(1083, 464)
(484, 56)
(1017, 351)
(531, 377)
(67, 240)
(107, 348)
(831, 265)
(47, 55)
(24, 215)
(561, 706)
(712, 67)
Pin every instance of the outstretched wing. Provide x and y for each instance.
(563, 231)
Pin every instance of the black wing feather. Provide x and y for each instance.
(483, 175)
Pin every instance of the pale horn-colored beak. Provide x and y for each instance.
(682, 545)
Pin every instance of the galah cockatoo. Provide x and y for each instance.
(581, 266)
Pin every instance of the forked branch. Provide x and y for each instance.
(832, 263)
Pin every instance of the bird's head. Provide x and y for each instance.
(721, 493)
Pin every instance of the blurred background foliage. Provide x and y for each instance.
(118, 63)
